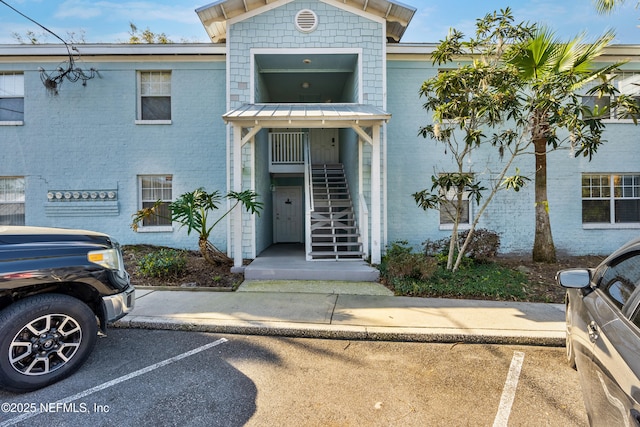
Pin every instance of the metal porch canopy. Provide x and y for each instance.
(307, 115)
(254, 117)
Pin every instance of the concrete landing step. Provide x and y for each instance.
(347, 271)
(315, 287)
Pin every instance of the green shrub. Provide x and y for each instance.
(163, 263)
(437, 247)
(483, 246)
(482, 281)
(400, 262)
(420, 275)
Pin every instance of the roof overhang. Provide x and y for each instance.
(214, 16)
(306, 115)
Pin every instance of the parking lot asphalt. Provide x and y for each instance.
(345, 310)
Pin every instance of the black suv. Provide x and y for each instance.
(57, 288)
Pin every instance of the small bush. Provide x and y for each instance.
(163, 263)
(483, 246)
(400, 262)
(437, 247)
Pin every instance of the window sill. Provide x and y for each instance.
(605, 226)
(450, 226)
(12, 123)
(153, 122)
(610, 121)
(156, 229)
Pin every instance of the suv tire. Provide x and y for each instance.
(44, 339)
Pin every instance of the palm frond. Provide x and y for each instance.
(607, 6)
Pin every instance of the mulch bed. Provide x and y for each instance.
(199, 274)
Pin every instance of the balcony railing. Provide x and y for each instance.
(286, 152)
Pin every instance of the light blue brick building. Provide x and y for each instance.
(311, 103)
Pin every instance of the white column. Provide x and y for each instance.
(375, 214)
(237, 186)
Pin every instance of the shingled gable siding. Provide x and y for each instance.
(337, 29)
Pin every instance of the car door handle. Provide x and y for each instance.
(592, 328)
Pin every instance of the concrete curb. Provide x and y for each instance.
(186, 288)
(363, 333)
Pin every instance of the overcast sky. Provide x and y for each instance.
(107, 21)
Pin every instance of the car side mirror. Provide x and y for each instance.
(575, 278)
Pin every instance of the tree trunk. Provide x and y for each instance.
(452, 246)
(543, 247)
(211, 254)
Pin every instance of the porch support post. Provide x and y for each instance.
(376, 237)
(237, 186)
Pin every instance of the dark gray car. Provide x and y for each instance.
(603, 335)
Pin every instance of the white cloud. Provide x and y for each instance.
(78, 9)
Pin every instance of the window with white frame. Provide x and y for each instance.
(448, 209)
(626, 82)
(11, 97)
(12, 201)
(154, 188)
(610, 198)
(154, 104)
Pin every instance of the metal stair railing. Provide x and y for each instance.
(308, 198)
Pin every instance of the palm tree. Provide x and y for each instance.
(552, 71)
(192, 210)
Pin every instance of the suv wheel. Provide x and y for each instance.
(44, 339)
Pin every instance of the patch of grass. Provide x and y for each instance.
(480, 281)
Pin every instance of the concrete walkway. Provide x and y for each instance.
(346, 310)
(286, 261)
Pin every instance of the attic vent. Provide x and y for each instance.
(306, 21)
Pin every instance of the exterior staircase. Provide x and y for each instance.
(334, 231)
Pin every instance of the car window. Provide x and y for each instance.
(621, 278)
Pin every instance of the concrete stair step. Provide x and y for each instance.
(342, 248)
(337, 255)
(335, 236)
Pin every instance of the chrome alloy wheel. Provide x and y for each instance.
(45, 344)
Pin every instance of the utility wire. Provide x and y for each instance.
(72, 73)
(35, 22)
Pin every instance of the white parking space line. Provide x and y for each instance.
(509, 390)
(116, 381)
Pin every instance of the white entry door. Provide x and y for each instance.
(288, 215)
(324, 146)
